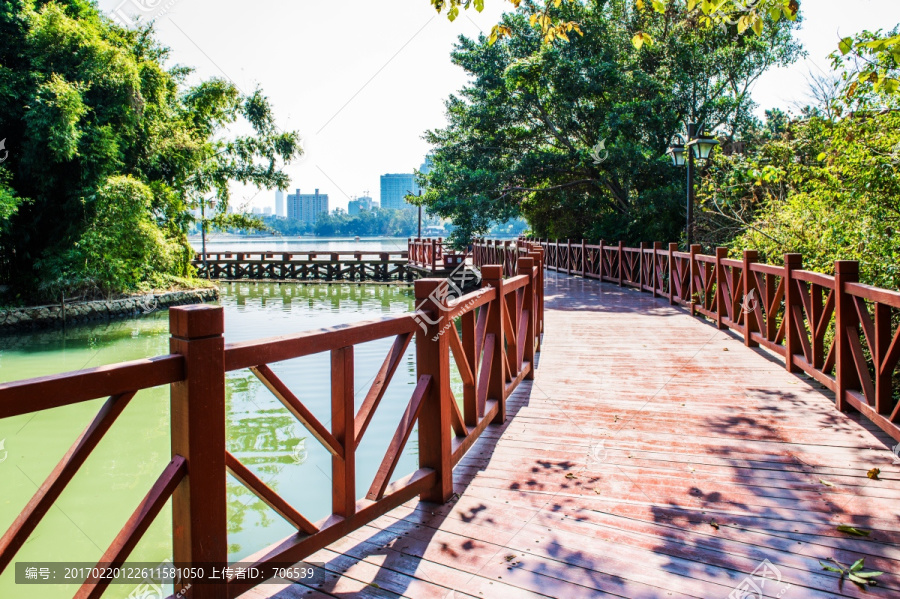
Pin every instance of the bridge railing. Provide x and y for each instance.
(326, 266)
(426, 253)
(839, 332)
(493, 350)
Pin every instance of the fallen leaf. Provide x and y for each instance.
(510, 557)
(571, 476)
(873, 473)
(724, 349)
(853, 531)
(826, 483)
(714, 524)
(598, 491)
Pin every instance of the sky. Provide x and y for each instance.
(362, 81)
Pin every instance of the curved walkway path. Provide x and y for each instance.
(653, 456)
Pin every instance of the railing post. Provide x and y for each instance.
(641, 275)
(793, 262)
(846, 324)
(569, 257)
(602, 260)
(433, 255)
(621, 260)
(492, 276)
(750, 323)
(656, 280)
(673, 247)
(526, 267)
(537, 254)
(199, 509)
(343, 470)
(882, 341)
(695, 249)
(721, 254)
(433, 359)
(583, 259)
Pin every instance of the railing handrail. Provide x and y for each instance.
(501, 325)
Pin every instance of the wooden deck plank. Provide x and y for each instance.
(695, 429)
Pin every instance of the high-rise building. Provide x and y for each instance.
(279, 203)
(395, 188)
(426, 166)
(306, 207)
(361, 203)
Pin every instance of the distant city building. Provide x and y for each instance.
(267, 210)
(361, 203)
(426, 166)
(306, 207)
(279, 204)
(257, 210)
(395, 188)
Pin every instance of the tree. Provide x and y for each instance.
(875, 56)
(91, 117)
(573, 135)
(824, 188)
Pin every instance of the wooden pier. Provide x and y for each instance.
(306, 266)
(631, 425)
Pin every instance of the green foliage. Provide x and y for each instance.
(91, 117)
(827, 190)
(121, 248)
(573, 136)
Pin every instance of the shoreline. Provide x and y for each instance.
(61, 315)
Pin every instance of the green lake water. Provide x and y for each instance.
(261, 433)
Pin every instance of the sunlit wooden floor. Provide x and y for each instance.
(653, 456)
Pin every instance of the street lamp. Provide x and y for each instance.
(698, 146)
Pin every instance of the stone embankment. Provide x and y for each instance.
(59, 315)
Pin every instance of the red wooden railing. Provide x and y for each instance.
(426, 253)
(838, 331)
(494, 353)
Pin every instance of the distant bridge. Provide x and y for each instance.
(305, 266)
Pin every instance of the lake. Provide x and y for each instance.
(261, 433)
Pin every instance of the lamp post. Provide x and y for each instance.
(698, 146)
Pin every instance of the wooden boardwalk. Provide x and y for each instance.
(653, 456)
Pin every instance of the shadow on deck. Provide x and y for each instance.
(653, 456)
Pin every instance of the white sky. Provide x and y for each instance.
(362, 80)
